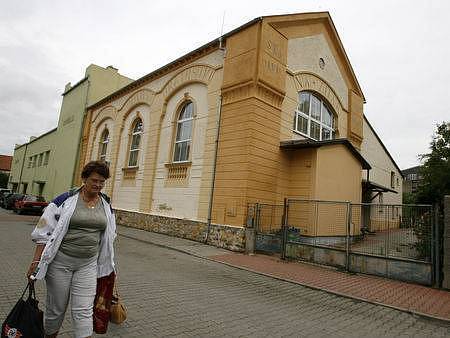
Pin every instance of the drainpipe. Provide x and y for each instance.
(21, 169)
(214, 171)
(80, 135)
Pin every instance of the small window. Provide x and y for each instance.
(392, 179)
(135, 143)
(313, 118)
(183, 137)
(30, 161)
(34, 161)
(103, 146)
(46, 157)
(41, 158)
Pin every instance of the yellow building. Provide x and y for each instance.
(270, 110)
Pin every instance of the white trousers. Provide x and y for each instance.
(75, 279)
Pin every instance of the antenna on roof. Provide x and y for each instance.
(221, 32)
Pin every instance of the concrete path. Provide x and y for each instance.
(407, 297)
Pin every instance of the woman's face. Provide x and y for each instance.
(94, 183)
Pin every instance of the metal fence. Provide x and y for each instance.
(394, 231)
(390, 231)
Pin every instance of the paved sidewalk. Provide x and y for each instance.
(412, 298)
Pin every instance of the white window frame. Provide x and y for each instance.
(188, 140)
(310, 119)
(135, 133)
(103, 145)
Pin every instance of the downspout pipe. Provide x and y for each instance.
(211, 196)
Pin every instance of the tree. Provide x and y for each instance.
(3, 180)
(436, 168)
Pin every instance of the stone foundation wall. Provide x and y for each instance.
(222, 236)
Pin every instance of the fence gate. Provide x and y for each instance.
(394, 241)
(268, 219)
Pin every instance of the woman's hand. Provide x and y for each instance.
(32, 268)
(36, 259)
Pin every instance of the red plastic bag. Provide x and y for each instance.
(102, 302)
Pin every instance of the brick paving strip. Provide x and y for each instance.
(417, 299)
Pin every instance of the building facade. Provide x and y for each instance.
(45, 165)
(270, 110)
(412, 179)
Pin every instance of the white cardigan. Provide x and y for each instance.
(53, 226)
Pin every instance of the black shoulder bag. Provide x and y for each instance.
(25, 319)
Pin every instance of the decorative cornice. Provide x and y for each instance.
(313, 82)
(251, 89)
(144, 96)
(193, 73)
(109, 111)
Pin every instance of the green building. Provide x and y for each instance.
(45, 165)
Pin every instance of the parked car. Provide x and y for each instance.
(11, 199)
(4, 191)
(30, 203)
(3, 194)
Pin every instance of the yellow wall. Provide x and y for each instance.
(258, 81)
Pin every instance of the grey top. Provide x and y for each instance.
(85, 228)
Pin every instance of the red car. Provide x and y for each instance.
(30, 203)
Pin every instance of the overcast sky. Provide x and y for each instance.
(399, 50)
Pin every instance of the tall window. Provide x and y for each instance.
(47, 155)
(183, 137)
(103, 146)
(135, 143)
(313, 118)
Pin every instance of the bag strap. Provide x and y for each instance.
(25, 290)
(31, 291)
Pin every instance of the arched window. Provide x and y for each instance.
(313, 118)
(183, 137)
(136, 132)
(103, 145)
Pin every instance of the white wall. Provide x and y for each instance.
(127, 192)
(183, 201)
(382, 166)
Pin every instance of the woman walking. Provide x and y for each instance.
(74, 246)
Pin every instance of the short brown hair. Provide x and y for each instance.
(99, 167)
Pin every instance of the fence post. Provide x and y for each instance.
(446, 244)
(250, 232)
(435, 256)
(347, 238)
(284, 229)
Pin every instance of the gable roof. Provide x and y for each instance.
(216, 43)
(325, 18)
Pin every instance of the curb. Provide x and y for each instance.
(336, 293)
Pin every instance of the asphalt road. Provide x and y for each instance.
(172, 294)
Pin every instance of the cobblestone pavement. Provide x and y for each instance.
(172, 294)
